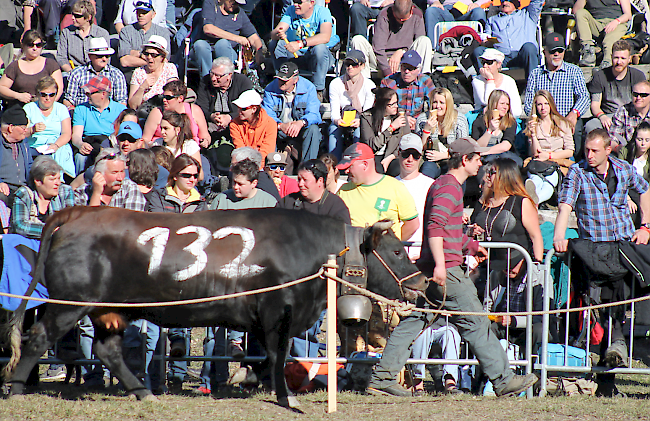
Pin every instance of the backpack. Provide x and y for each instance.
(447, 80)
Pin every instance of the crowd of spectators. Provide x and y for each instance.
(70, 125)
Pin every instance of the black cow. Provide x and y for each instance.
(116, 255)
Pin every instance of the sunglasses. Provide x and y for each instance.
(392, 104)
(40, 44)
(641, 94)
(47, 94)
(488, 62)
(491, 172)
(415, 154)
(169, 97)
(188, 175)
(299, 1)
(558, 50)
(408, 68)
(351, 64)
(78, 15)
(150, 54)
(127, 139)
(274, 167)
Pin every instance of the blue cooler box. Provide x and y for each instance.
(576, 357)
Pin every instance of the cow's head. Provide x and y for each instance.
(390, 271)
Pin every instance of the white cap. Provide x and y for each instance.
(410, 141)
(99, 46)
(241, 1)
(248, 98)
(493, 54)
(157, 42)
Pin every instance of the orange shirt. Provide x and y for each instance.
(261, 137)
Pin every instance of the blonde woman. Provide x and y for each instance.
(439, 128)
(551, 140)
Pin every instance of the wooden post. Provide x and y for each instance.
(331, 336)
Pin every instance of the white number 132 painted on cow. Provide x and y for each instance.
(234, 269)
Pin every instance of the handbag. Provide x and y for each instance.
(541, 168)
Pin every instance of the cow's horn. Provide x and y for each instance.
(383, 225)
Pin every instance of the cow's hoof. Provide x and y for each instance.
(150, 398)
(289, 402)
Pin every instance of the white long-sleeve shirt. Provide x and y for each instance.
(339, 99)
(126, 13)
(482, 91)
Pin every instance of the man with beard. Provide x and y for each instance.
(564, 81)
(630, 115)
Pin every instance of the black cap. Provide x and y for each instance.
(514, 2)
(553, 41)
(15, 116)
(355, 56)
(287, 70)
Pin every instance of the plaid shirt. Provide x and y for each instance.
(24, 214)
(411, 96)
(128, 196)
(82, 75)
(601, 218)
(624, 121)
(566, 85)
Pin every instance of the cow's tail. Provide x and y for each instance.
(14, 328)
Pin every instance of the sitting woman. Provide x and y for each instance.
(496, 127)
(490, 78)
(551, 142)
(174, 94)
(72, 48)
(351, 90)
(177, 136)
(334, 180)
(441, 127)
(149, 80)
(636, 153)
(18, 83)
(52, 130)
(381, 129)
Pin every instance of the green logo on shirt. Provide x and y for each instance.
(382, 204)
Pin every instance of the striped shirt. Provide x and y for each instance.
(443, 217)
(82, 75)
(566, 85)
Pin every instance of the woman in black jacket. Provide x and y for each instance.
(496, 127)
(382, 127)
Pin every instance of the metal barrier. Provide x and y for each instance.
(544, 366)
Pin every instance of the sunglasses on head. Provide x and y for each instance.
(47, 94)
(188, 175)
(78, 15)
(169, 97)
(108, 157)
(280, 167)
(150, 54)
(142, 3)
(410, 152)
(641, 94)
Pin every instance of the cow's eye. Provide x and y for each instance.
(398, 252)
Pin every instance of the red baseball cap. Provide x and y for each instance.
(355, 152)
(98, 83)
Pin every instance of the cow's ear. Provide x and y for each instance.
(373, 233)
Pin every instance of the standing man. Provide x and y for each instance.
(308, 31)
(597, 189)
(516, 35)
(593, 17)
(399, 28)
(565, 82)
(418, 184)
(134, 36)
(630, 115)
(443, 246)
(99, 54)
(224, 28)
(611, 87)
(411, 84)
(292, 102)
(371, 196)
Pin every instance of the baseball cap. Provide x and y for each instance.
(99, 46)
(355, 56)
(276, 158)
(500, 259)
(493, 54)
(98, 83)
(129, 128)
(157, 42)
(355, 152)
(287, 70)
(554, 41)
(144, 5)
(411, 141)
(248, 98)
(411, 57)
(15, 116)
(466, 146)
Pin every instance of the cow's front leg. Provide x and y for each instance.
(108, 348)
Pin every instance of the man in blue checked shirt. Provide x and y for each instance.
(597, 189)
(565, 82)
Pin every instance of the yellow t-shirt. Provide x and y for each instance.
(386, 199)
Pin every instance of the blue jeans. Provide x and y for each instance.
(433, 15)
(92, 375)
(310, 137)
(216, 371)
(202, 53)
(318, 59)
(430, 169)
(337, 138)
(178, 369)
(359, 15)
(133, 339)
(527, 57)
(303, 346)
